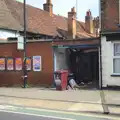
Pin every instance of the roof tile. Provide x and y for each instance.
(38, 21)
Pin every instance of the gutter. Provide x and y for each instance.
(106, 33)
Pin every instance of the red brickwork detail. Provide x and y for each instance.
(109, 15)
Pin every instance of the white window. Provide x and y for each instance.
(119, 12)
(116, 58)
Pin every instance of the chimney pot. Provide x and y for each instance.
(73, 9)
(48, 7)
(49, 1)
(89, 22)
(88, 13)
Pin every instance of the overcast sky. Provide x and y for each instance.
(61, 7)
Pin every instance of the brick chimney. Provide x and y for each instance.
(48, 6)
(89, 22)
(72, 24)
(96, 26)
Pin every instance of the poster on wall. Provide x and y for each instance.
(18, 64)
(36, 63)
(2, 63)
(10, 64)
(28, 64)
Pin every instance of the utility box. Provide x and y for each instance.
(61, 78)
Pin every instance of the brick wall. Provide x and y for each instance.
(43, 49)
(109, 15)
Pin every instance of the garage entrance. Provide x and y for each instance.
(81, 61)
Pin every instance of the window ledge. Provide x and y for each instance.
(115, 75)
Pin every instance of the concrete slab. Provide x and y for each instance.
(112, 97)
(87, 96)
(114, 110)
(72, 100)
(55, 105)
(84, 107)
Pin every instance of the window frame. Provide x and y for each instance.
(115, 57)
(119, 12)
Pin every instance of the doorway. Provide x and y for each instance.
(85, 67)
(83, 63)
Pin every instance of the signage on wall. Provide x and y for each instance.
(2, 63)
(20, 43)
(18, 64)
(28, 64)
(36, 63)
(10, 64)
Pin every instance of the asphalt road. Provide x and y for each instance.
(17, 116)
(8, 112)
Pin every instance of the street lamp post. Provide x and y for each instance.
(24, 65)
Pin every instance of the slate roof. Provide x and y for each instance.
(38, 20)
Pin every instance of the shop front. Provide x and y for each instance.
(81, 60)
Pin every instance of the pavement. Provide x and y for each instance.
(88, 101)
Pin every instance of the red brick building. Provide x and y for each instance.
(48, 36)
(109, 15)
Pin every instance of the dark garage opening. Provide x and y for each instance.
(82, 61)
(84, 64)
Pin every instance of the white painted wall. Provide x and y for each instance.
(4, 34)
(107, 64)
(60, 59)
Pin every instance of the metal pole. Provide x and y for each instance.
(76, 9)
(24, 65)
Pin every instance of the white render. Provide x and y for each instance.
(4, 34)
(107, 63)
(60, 59)
(119, 11)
